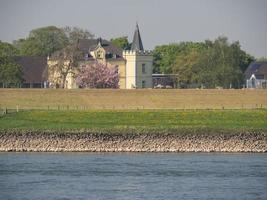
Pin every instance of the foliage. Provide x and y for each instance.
(75, 33)
(245, 59)
(165, 55)
(7, 50)
(121, 42)
(10, 72)
(98, 75)
(220, 64)
(45, 41)
(186, 58)
(66, 62)
(184, 69)
(42, 41)
(211, 64)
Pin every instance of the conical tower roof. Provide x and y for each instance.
(137, 41)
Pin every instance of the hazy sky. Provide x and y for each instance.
(160, 21)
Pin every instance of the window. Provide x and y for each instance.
(143, 84)
(99, 55)
(143, 68)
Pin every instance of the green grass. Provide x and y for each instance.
(142, 119)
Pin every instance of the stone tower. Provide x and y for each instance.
(139, 64)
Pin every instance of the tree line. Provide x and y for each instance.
(42, 41)
(208, 64)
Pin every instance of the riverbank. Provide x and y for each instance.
(135, 131)
(130, 141)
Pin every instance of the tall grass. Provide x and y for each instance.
(58, 99)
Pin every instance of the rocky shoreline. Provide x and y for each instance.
(37, 141)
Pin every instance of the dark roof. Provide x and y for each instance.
(33, 68)
(259, 69)
(86, 45)
(137, 41)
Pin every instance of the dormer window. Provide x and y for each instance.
(99, 55)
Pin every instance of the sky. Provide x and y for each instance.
(160, 21)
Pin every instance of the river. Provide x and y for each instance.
(129, 176)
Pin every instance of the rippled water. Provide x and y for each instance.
(132, 176)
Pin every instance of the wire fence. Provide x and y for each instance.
(8, 110)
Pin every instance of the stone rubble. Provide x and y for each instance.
(92, 142)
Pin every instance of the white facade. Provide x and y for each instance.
(139, 66)
(253, 82)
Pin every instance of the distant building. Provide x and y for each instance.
(134, 66)
(34, 71)
(256, 75)
(163, 80)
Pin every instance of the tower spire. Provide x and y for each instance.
(137, 41)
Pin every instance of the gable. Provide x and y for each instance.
(88, 45)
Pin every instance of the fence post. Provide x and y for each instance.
(17, 108)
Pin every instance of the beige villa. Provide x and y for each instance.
(134, 65)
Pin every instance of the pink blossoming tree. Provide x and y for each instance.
(98, 75)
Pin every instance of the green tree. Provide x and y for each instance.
(121, 42)
(244, 58)
(66, 62)
(165, 56)
(10, 72)
(75, 33)
(184, 67)
(185, 61)
(7, 49)
(211, 63)
(220, 64)
(42, 41)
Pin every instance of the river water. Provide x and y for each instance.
(130, 176)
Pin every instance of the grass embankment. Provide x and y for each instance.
(231, 120)
(132, 99)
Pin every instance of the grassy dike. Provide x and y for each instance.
(133, 99)
(139, 130)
